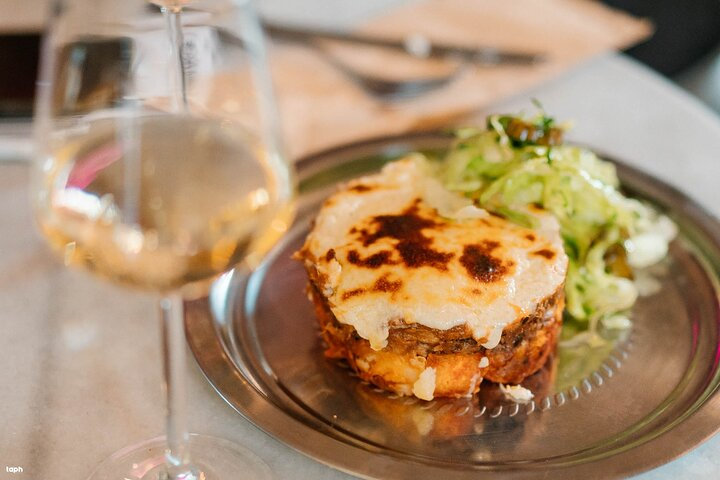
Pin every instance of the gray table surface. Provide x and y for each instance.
(79, 359)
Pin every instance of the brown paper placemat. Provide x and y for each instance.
(321, 107)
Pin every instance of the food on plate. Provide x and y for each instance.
(432, 276)
(417, 421)
(422, 304)
(608, 237)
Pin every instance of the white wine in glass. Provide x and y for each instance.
(159, 167)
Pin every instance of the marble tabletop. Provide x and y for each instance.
(79, 359)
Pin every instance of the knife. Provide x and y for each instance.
(415, 45)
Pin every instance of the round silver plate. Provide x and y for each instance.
(641, 403)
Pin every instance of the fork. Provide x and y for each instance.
(387, 89)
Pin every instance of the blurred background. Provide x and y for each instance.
(684, 46)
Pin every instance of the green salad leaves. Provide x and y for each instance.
(516, 162)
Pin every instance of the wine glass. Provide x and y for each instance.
(159, 167)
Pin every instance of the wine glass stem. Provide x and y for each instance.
(173, 342)
(173, 21)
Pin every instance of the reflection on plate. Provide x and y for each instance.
(640, 402)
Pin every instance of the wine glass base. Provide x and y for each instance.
(213, 459)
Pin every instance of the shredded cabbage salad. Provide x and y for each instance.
(517, 162)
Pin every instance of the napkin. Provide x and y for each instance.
(321, 107)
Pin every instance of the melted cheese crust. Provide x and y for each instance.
(383, 254)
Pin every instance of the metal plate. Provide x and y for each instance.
(615, 412)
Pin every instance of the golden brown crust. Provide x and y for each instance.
(456, 357)
(448, 418)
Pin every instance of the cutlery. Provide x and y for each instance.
(385, 89)
(391, 89)
(416, 45)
